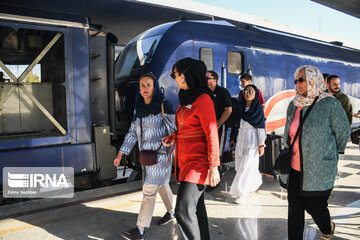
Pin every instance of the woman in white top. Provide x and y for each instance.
(249, 134)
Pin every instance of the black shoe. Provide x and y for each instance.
(210, 188)
(166, 219)
(223, 170)
(133, 234)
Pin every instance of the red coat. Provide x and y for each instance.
(197, 141)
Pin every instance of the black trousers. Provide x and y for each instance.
(190, 211)
(316, 206)
(222, 141)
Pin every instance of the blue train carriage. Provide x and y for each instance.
(54, 96)
(270, 56)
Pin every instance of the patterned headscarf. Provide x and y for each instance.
(315, 86)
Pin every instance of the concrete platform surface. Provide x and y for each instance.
(107, 212)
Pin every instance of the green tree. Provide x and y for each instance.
(32, 78)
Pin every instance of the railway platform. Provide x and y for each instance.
(105, 213)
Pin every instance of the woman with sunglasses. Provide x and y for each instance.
(315, 149)
(249, 134)
(148, 127)
(197, 147)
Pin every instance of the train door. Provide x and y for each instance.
(234, 66)
(209, 53)
(228, 61)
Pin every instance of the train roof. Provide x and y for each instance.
(19, 14)
(253, 37)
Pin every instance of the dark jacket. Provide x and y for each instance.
(345, 103)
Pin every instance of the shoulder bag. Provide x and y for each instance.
(148, 157)
(283, 161)
(355, 136)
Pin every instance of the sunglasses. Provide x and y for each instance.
(208, 78)
(172, 75)
(249, 92)
(299, 80)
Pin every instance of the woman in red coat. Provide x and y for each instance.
(197, 147)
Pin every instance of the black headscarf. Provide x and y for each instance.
(144, 110)
(195, 77)
(255, 114)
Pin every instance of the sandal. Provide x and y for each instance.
(333, 229)
(331, 235)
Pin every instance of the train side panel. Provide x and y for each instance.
(273, 74)
(62, 89)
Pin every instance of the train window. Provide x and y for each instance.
(32, 77)
(235, 62)
(206, 55)
(134, 58)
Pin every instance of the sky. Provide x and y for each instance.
(303, 14)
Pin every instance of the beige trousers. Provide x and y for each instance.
(148, 202)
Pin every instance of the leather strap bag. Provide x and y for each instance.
(148, 157)
(283, 161)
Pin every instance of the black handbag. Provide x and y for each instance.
(148, 157)
(355, 136)
(283, 161)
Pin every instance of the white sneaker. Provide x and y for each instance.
(338, 177)
(239, 200)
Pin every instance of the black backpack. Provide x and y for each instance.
(235, 107)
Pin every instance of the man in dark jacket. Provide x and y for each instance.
(333, 87)
(223, 103)
(223, 107)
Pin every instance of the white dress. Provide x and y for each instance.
(248, 177)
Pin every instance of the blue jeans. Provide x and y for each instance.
(190, 211)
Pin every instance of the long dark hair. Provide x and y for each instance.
(195, 77)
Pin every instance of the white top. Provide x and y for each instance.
(250, 136)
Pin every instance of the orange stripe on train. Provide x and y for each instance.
(273, 125)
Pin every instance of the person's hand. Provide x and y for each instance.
(118, 159)
(357, 115)
(167, 141)
(261, 150)
(214, 176)
(231, 144)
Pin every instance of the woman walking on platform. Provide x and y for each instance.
(249, 133)
(149, 128)
(318, 128)
(197, 147)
